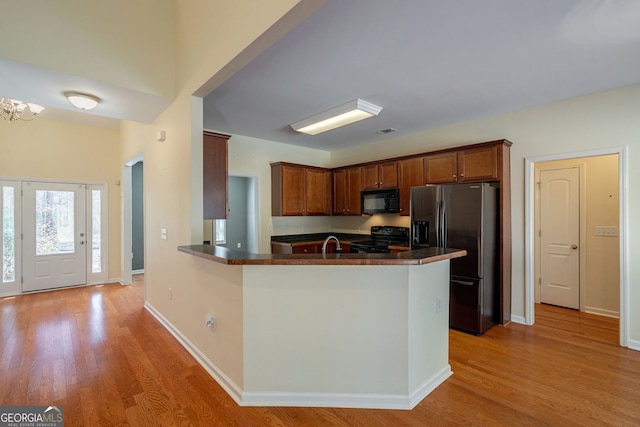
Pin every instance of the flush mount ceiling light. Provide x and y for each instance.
(12, 110)
(82, 101)
(336, 117)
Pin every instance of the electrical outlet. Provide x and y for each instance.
(438, 304)
(163, 233)
(239, 245)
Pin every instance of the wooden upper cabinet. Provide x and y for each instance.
(441, 168)
(466, 165)
(347, 185)
(478, 164)
(317, 191)
(298, 190)
(380, 175)
(215, 175)
(354, 184)
(340, 189)
(410, 174)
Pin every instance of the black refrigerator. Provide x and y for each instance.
(462, 216)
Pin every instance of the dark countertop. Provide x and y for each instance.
(236, 257)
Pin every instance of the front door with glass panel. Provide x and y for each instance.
(54, 235)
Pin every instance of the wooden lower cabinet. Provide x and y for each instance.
(306, 249)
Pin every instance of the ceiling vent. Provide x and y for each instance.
(387, 130)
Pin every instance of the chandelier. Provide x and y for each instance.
(12, 110)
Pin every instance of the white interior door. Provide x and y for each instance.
(560, 237)
(54, 235)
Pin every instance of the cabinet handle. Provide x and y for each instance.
(453, 176)
(462, 175)
(401, 209)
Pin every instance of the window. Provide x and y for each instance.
(8, 234)
(221, 231)
(96, 232)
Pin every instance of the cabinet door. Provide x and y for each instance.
(478, 164)
(340, 192)
(410, 174)
(441, 168)
(215, 177)
(354, 182)
(388, 174)
(293, 189)
(318, 193)
(370, 179)
(304, 249)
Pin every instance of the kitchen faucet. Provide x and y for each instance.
(324, 245)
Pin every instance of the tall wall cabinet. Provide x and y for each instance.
(215, 175)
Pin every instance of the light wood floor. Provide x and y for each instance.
(98, 353)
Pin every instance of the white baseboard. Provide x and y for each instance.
(225, 382)
(633, 345)
(138, 271)
(347, 400)
(602, 312)
(328, 400)
(430, 385)
(518, 319)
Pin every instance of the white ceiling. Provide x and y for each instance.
(428, 63)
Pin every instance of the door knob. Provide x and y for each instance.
(82, 242)
(574, 246)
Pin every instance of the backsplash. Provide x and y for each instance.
(283, 225)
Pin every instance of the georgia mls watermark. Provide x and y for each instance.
(31, 416)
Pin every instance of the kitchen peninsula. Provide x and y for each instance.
(336, 330)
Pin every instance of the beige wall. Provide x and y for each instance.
(602, 255)
(96, 40)
(607, 119)
(50, 150)
(173, 183)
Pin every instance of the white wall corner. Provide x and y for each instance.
(216, 373)
(633, 345)
(519, 319)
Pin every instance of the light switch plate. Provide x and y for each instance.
(606, 231)
(163, 233)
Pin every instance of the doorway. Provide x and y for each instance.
(54, 235)
(240, 229)
(559, 225)
(137, 218)
(601, 254)
(127, 220)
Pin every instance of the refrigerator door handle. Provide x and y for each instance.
(444, 224)
(462, 282)
(438, 224)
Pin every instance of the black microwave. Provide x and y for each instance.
(386, 200)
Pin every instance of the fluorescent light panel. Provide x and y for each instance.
(341, 115)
